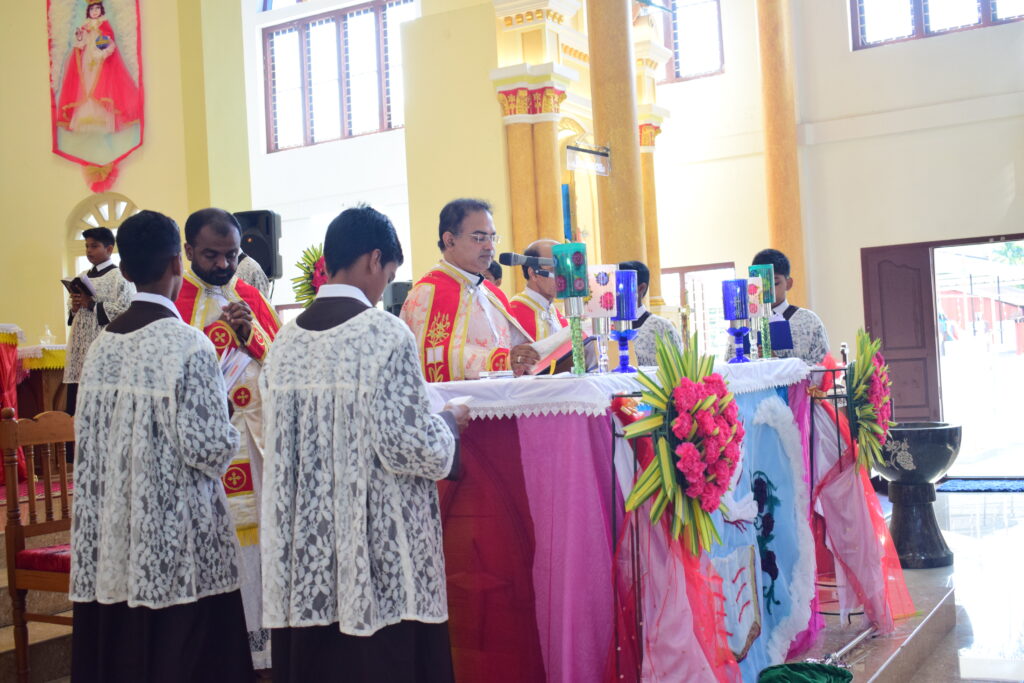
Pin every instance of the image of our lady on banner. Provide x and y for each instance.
(95, 84)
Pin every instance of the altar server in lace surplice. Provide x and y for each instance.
(87, 315)
(353, 567)
(648, 325)
(154, 559)
(810, 340)
(241, 324)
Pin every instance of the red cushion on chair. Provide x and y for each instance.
(54, 558)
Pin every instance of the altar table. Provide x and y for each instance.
(528, 533)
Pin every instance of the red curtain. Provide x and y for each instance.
(9, 393)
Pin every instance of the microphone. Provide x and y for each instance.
(536, 262)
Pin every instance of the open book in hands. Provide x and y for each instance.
(80, 284)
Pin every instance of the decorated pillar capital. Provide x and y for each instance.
(648, 131)
(516, 14)
(529, 93)
(651, 118)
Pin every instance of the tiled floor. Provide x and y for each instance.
(986, 533)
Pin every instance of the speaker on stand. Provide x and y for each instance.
(261, 232)
(394, 296)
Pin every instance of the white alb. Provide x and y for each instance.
(350, 524)
(150, 519)
(114, 294)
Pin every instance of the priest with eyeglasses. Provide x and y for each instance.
(462, 322)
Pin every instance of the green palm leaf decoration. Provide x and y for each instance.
(313, 273)
(696, 437)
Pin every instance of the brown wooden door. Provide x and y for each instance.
(899, 308)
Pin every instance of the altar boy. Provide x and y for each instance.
(154, 560)
(353, 568)
(810, 340)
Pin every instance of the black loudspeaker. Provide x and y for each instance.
(394, 296)
(261, 232)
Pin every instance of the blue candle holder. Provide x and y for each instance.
(734, 303)
(625, 314)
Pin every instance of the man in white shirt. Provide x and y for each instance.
(649, 326)
(154, 560)
(461, 321)
(353, 566)
(534, 307)
(810, 340)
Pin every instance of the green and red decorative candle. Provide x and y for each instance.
(572, 286)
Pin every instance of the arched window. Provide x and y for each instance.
(106, 210)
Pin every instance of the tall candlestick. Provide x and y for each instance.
(625, 314)
(766, 272)
(572, 285)
(735, 305)
(600, 308)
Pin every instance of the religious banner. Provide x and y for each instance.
(96, 100)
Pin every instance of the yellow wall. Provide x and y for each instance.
(39, 189)
(454, 136)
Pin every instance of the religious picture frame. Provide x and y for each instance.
(96, 93)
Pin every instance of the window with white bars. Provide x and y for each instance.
(880, 22)
(693, 31)
(334, 75)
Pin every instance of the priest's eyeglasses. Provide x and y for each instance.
(483, 237)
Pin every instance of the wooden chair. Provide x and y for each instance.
(43, 440)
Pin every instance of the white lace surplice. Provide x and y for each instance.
(251, 272)
(115, 294)
(350, 525)
(810, 340)
(150, 523)
(646, 335)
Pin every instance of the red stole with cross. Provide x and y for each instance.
(196, 307)
(443, 340)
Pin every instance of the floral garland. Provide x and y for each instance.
(697, 437)
(313, 271)
(872, 400)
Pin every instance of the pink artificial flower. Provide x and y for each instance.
(713, 446)
(722, 470)
(715, 382)
(681, 425)
(740, 433)
(706, 425)
(320, 276)
(695, 489)
(690, 463)
(686, 395)
(732, 452)
(709, 500)
(731, 413)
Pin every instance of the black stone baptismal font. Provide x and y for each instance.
(915, 456)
